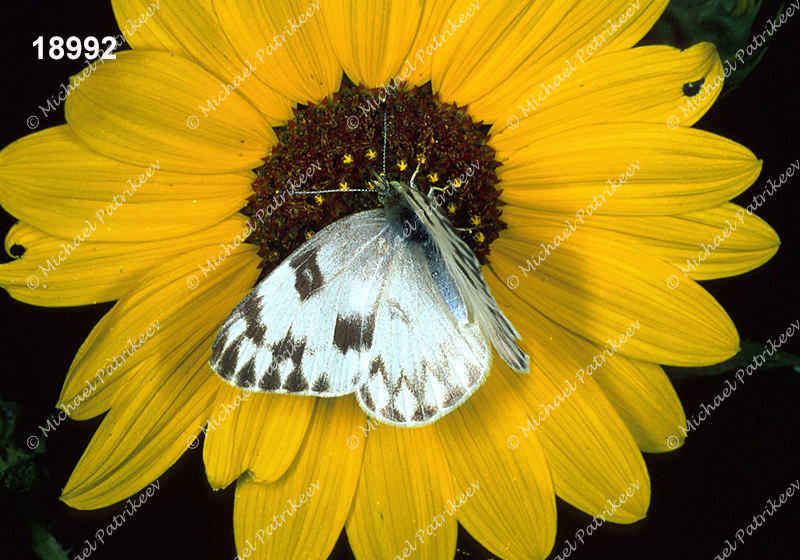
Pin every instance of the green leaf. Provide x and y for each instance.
(8, 420)
(46, 546)
(23, 479)
(726, 23)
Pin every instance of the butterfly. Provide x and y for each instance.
(389, 304)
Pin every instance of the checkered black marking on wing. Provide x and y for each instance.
(463, 265)
(317, 293)
(429, 363)
(357, 309)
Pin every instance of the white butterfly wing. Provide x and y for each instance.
(296, 331)
(352, 310)
(431, 364)
(464, 268)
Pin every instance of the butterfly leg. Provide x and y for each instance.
(419, 163)
(448, 190)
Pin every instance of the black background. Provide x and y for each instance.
(743, 454)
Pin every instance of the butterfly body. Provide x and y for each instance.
(389, 304)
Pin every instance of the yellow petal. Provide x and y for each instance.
(193, 30)
(592, 455)
(433, 30)
(643, 396)
(293, 42)
(147, 429)
(617, 291)
(404, 488)
(185, 317)
(142, 107)
(150, 34)
(250, 439)
(372, 39)
(54, 182)
(735, 241)
(513, 513)
(679, 171)
(57, 272)
(326, 470)
(635, 85)
(508, 47)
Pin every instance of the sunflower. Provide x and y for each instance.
(172, 151)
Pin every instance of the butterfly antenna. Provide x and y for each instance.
(326, 191)
(378, 177)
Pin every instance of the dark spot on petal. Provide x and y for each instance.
(690, 89)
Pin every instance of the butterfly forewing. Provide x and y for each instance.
(303, 326)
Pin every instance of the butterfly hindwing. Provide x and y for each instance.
(465, 270)
(432, 364)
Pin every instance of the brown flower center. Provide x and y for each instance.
(333, 146)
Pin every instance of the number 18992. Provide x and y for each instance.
(74, 47)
